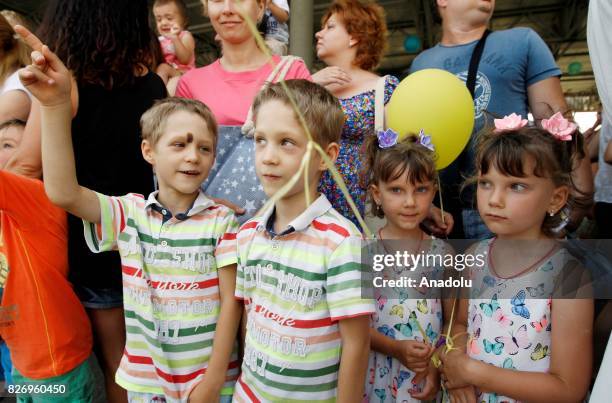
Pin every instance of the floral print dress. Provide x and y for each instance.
(359, 111)
(512, 331)
(403, 314)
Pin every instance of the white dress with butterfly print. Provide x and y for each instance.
(512, 332)
(387, 380)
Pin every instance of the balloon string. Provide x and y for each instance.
(440, 197)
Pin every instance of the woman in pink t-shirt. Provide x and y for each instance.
(228, 86)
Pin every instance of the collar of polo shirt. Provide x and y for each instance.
(319, 207)
(201, 203)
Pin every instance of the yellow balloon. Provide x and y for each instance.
(439, 103)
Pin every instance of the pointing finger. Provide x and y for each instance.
(28, 37)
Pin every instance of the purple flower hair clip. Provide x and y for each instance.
(425, 140)
(387, 138)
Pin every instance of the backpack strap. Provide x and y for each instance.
(278, 74)
(379, 105)
(474, 62)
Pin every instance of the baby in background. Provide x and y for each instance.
(177, 44)
(276, 28)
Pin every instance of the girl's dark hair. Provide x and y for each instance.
(508, 151)
(388, 164)
(101, 42)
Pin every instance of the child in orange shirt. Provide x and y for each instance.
(41, 319)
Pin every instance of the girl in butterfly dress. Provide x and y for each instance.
(402, 183)
(524, 345)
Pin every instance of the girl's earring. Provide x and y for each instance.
(551, 213)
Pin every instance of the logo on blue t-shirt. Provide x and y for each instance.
(482, 92)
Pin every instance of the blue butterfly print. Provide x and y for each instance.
(508, 364)
(387, 331)
(489, 308)
(406, 329)
(403, 296)
(518, 305)
(495, 348)
(403, 376)
(431, 335)
(382, 394)
(382, 371)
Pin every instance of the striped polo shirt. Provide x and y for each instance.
(170, 288)
(296, 286)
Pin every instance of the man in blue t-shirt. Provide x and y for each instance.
(517, 73)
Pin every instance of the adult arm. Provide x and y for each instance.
(546, 96)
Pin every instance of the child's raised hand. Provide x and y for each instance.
(414, 355)
(47, 78)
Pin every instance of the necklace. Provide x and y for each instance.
(382, 242)
(523, 271)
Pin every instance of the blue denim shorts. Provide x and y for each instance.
(473, 226)
(99, 298)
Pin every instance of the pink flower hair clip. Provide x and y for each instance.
(559, 127)
(509, 122)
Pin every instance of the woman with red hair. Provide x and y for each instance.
(352, 42)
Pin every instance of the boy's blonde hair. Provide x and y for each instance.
(321, 110)
(153, 120)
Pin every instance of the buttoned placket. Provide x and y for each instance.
(161, 229)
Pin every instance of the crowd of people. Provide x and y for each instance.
(233, 266)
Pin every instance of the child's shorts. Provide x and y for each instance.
(77, 386)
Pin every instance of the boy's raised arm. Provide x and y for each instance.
(50, 82)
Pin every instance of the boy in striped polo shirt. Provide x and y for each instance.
(178, 281)
(307, 330)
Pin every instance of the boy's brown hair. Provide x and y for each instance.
(321, 110)
(153, 121)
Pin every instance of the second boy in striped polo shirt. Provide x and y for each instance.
(307, 331)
